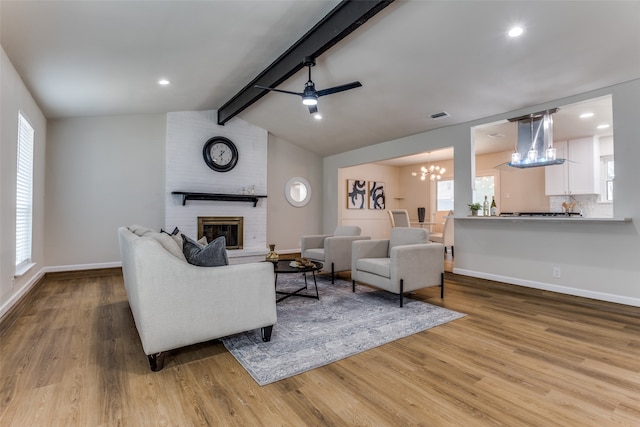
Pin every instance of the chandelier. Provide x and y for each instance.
(433, 172)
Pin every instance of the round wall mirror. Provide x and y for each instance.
(297, 191)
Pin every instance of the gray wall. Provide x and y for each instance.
(597, 260)
(285, 223)
(102, 173)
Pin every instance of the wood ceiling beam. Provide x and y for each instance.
(345, 18)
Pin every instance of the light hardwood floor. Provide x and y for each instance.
(70, 356)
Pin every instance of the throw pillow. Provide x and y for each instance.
(212, 255)
(168, 244)
(176, 236)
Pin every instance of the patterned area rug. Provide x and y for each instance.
(311, 333)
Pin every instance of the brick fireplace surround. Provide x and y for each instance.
(185, 170)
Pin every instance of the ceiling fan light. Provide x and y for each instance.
(310, 100)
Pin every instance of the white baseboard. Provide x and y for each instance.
(6, 307)
(601, 296)
(80, 267)
(21, 293)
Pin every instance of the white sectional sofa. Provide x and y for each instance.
(176, 304)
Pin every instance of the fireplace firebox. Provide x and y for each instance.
(231, 227)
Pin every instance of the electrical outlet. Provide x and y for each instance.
(556, 272)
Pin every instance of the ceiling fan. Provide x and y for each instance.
(310, 95)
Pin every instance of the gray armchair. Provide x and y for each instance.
(333, 250)
(404, 263)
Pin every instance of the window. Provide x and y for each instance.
(24, 194)
(444, 195)
(608, 174)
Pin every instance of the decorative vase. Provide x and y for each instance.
(421, 212)
(272, 255)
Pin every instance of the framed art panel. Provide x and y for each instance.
(376, 195)
(356, 194)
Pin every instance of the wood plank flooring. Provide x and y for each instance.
(71, 356)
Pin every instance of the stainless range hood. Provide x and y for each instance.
(535, 141)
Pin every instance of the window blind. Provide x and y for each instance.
(24, 192)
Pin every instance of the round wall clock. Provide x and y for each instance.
(220, 154)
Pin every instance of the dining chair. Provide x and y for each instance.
(399, 218)
(446, 235)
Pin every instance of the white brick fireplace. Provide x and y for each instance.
(186, 171)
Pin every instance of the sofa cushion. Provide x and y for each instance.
(377, 266)
(212, 255)
(141, 231)
(167, 243)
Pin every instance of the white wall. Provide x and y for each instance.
(14, 98)
(597, 260)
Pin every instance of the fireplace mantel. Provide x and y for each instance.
(220, 197)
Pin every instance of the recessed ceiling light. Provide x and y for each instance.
(163, 82)
(317, 116)
(515, 31)
(603, 126)
(586, 115)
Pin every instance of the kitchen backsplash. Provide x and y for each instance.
(586, 204)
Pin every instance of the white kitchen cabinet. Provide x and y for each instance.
(580, 174)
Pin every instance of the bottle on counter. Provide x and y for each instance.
(494, 207)
(485, 207)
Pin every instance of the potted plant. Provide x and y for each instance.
(474, 208)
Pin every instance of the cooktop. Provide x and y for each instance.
(540, 214)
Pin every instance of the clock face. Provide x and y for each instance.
(220, 154)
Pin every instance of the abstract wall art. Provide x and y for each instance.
(356, 194)
(376, 195)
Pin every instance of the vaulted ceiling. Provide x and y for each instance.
(415, 58)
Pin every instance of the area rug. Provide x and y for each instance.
(310, 333)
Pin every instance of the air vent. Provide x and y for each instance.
(439, 115)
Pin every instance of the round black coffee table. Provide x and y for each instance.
(286, 267)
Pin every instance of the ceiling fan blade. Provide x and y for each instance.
(336, 89)
(279, 90)
(313, 109)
